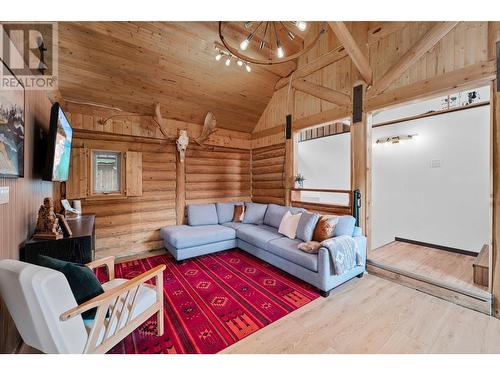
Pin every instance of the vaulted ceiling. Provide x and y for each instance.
(132, 65)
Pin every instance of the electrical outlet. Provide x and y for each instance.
(4, 194)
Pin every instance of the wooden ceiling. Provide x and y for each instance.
(132, 65)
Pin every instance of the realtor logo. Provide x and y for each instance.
(30, 51)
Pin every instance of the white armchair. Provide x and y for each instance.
(48, 318)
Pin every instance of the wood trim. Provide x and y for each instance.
(329, 58)
(429, 40)
(323, 190)
(439, 247)
(105, 136)
(430, 114)
(358, 57)
(321, 92)
(468, 77)
(495, 253)
(269, 132)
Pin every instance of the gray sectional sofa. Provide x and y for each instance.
(210, 229)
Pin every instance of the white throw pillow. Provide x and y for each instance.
(288, 225)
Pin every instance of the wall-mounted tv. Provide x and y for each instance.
(58, 146)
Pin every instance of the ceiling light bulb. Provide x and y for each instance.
(247, 66)
(301, 25)
(279, 52)
(244, 44)
(218, 56)
(228, 61)
(291, 36)
(239, 62)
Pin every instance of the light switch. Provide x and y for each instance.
(436, 163)
(4, 194)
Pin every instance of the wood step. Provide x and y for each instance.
(481, 266)
(472, 298)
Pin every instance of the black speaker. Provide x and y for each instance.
(357, 104)
(288, 128)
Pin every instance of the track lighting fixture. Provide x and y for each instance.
(228, 60)
(248, 68)
(239, 62)
(218, 56)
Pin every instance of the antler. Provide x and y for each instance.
(209, 127)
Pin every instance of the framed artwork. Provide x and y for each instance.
(12, 131)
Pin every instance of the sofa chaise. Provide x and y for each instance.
(210, 229)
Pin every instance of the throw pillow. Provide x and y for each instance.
(311, 247)
(254, 213)
(307, 224)
(82, 281)
(239, 213)
(289, 223)
(325, 228)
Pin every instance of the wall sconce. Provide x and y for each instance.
(395, 139)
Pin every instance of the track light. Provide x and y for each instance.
(239, 62)
(218, 56)
(395, 139)
(290, 35)
(228, 61)
(301, 25)
(248, 68)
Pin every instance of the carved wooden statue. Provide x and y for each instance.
(47, 225)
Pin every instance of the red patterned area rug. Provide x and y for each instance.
(213, 301)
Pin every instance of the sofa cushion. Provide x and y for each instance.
(182, 236)
(202, 214)
(235, 225)
(287, 248)
(254, 213)
(307, 224)
(225, 211)
(345, 226)
(274, 215)
(257, 235)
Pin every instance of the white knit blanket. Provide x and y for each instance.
(343, 253)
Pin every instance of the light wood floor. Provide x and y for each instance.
(373, 315)
(437, 264)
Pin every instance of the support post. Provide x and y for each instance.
(289, 149)
(495, 258)
(361, 161)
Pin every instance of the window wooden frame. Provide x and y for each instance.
(113, 195)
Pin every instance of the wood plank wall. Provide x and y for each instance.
(216, 174)
(268, 174)
(18, 217)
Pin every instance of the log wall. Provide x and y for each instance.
(220, 171)
(268, 170)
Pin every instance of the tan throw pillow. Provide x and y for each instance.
(289, 224)
(311, 247)
(239, 212)
(325, 228)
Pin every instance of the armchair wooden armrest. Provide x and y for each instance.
(110, 295)
(109, 262)
(104, 333)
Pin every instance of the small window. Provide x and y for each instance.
(106, 172)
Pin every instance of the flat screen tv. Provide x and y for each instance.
(58, 146)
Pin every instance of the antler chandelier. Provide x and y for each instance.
(264, 42)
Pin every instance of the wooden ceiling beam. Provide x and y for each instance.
(322, 61)
(356, 54)
(322, 92)
(429, 40)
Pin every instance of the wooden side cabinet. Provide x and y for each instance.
(78, 248)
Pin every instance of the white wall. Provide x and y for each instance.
(326, 163)
(448, 205)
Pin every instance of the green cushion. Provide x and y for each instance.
(81, 279)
